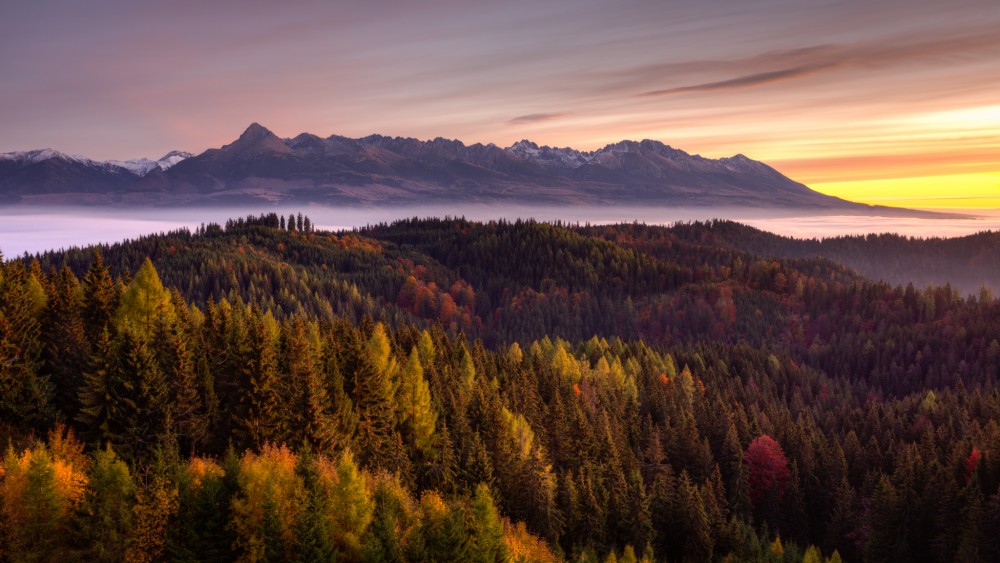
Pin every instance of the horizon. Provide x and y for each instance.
(891, 103)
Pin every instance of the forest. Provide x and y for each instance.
(447, 390)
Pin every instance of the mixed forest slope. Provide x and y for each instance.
(967, 263)
(443, 389)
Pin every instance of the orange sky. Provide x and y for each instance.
(884, 101)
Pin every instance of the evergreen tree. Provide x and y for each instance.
(375, 400)
(486, 542)
(175, 356)
(351, 507)
(100, 298)
(125, 398)
(104, 520)
(413, 400)
(144, 303)
(65, 347)
(307, 414)
(24, 393)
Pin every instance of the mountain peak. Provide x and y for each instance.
(172, 158)
(524, 144)
(256, 137)
(255, 132)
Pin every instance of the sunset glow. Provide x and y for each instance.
(893, 102)
(927, 192)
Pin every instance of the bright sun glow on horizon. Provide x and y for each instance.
(927, 192)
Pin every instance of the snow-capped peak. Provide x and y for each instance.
(37, 155)
(137, 166)
(549, 157)
(172, 158)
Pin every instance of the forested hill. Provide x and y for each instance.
(448, 390)
(967, 263)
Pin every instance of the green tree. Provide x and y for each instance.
(100, 298)
(144, 302)
(124, 399)
(349, 504)
(104, 520)
(486, 543)
(24, 394)
(375, 402)
(413, 400)
(443, 532)
(65, 347)
(394, 522)
(174, 348)
(201, 530)
(39, 492)
(307, 409)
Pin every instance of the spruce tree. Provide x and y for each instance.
(413, 400)
(100, 298)
(374, 401)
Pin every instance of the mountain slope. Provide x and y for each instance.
(966, 263)
(388, 171)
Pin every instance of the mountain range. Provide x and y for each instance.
(259, 167)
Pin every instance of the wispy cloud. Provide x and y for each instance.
(812, 60)
(746, 81)
(535, 118)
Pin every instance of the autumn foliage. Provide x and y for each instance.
(768, 469)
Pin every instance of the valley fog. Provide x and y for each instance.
(32, 230)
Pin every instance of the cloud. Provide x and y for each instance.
(746, 81)
(806, 61)
(535, 118)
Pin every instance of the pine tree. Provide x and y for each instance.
(443, 532)
(97, 406)
(306, 404)
(175, 358)
(413, 400)
(268, 504)
(374, 402)
(125, 397)
(100, 298)
(200, 531)
(65, 347)
(351, 505)
(24, 394)
(144, 302)
(885, 541)
(691, 522)
(104, 519)
(38, 494)
(486, 541)
(392, 531)
(468, 369)
(342, 408)
(441, 472)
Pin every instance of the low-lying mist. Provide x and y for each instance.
(31, 230)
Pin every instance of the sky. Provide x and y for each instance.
(894, 102)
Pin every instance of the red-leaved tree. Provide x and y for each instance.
(768, 469)
(972, 463)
